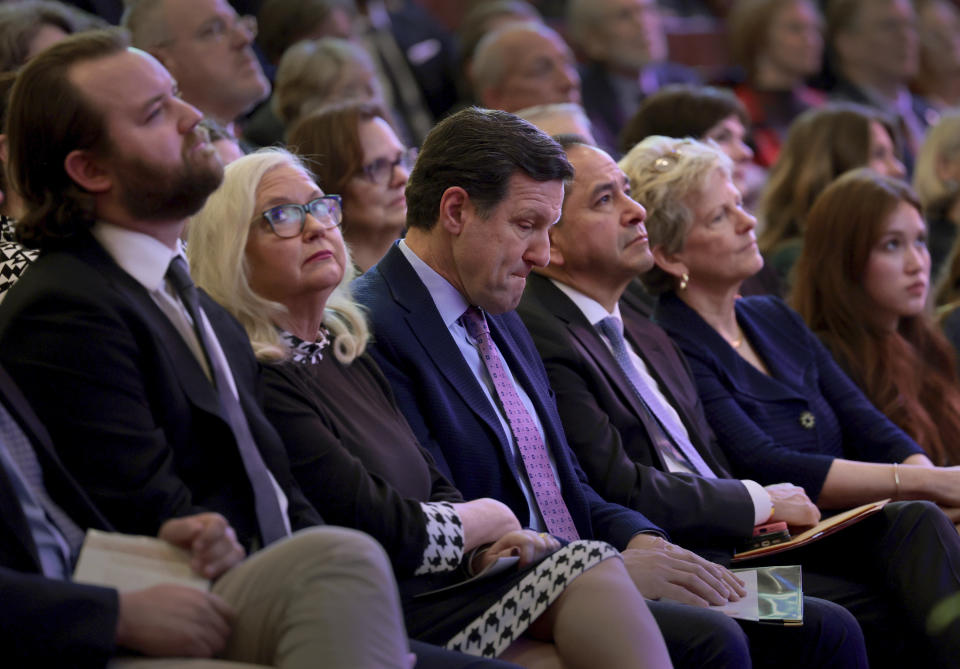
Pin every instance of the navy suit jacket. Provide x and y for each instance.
(451, 416)
(788, 426)
(131, 413)
(43, 620)
(607, 427)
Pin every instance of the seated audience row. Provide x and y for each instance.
(157, 421)
(356, 458)
(780, 407)
(387, 426)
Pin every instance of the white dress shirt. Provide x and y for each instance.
(594, 312)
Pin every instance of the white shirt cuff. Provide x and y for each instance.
(762, 504)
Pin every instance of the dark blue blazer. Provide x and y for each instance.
(451, 416)
(791, 425)
(602, 105)
(43, 620)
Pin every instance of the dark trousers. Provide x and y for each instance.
(890, 571)
(697, 637)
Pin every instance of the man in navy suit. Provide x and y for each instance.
(482, 197)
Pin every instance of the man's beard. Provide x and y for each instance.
(152, 193)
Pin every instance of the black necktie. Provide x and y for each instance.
(269, 514)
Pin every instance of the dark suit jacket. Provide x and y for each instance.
(452, 417)
(602, 104)
(42, 620)
(788, 426)
(606, 426)
(129, 408)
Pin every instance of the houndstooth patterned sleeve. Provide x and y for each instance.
(444, 549)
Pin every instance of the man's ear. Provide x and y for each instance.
(556, 250)
(455, 206)
(669, 262)
(87, 171)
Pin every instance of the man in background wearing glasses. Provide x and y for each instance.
(207, 48)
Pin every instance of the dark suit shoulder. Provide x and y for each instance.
(45, 621)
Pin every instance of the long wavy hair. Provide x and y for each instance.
(216, 247)
(907, 373)
(821, 145)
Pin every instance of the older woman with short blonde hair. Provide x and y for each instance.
(754, 359)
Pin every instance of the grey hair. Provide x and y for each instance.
(146, 22)
(489, 65)
(218, 236)
(308, 72)
(583, 16)
(540, 112)
(663, 173)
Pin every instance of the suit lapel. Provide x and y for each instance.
(664, 364)
(424, 321)
(190, 374)
(781, 358)
(61, 488)
(587, 336)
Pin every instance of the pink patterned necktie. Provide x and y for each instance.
(533, 451)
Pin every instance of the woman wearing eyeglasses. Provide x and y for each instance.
(268, 247)
(355, 151)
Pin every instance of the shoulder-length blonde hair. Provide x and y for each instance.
(908, 373)
(663, 173)
(217, 245)
(942, 143)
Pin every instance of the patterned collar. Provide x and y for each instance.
(7, 225)
(306, 352)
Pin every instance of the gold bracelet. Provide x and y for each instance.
(896, 480)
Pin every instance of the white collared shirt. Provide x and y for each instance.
(451, 305)
(594, 312)
(146, 259)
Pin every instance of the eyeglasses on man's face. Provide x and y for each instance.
(380, 171)
(289, 220)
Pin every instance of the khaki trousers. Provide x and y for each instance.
(325, 597)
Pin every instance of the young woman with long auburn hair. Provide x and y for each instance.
(861, 285)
